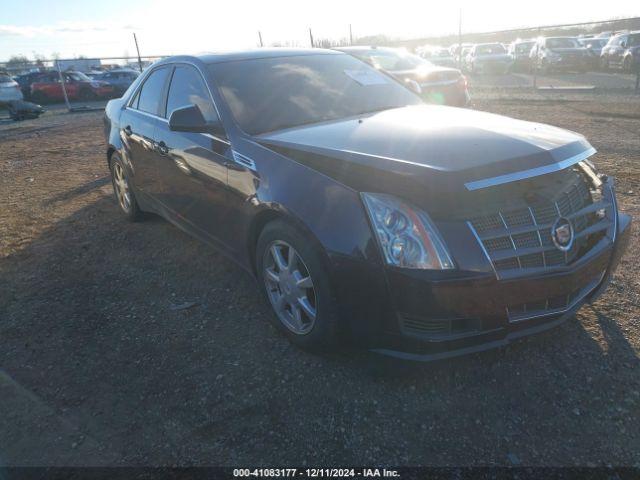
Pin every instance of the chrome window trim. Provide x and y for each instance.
(162, 119)
(533, 172)
(147, 114)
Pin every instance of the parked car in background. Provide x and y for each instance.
(92, 74)
(438, 56)
(519, 51)
(418, 231)
(12, 99)
(9, 89)
(559, 53)
(622, 52)
(488, 58)
(441, 85)
(25, 82)
(459, 52)
(594, 47)
(119, 79)
(78, 86)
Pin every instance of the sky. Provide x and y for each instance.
(99, 28)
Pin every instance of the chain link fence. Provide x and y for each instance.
(602, 56)
(79, 84)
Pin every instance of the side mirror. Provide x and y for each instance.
(190, 119)
(623, 44)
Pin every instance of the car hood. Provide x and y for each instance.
(434, 147)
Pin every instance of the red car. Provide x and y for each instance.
(48, 88)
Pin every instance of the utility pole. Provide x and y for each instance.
(135, 39)
(311, 37)
(460, 39)
(350, 35)
(260, 37)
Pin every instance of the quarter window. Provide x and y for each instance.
(188, 88)
(150, 94)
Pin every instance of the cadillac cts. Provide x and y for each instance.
(416, 230)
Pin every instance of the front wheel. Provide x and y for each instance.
(296, 284)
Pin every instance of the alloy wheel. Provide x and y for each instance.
(121, 187)
(290, 287)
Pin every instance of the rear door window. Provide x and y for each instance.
(150, 95)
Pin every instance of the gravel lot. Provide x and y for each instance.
(100, 365)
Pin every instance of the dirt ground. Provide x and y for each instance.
(100, 366)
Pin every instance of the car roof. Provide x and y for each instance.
(121, 70)
(231, 56)
(362, 48)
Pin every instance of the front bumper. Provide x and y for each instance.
(475, 306)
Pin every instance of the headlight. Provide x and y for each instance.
(406, 235)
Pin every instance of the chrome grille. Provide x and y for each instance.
(519, 238)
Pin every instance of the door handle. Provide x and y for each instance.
(127, 130)
(163, 149)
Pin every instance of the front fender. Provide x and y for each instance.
(334, 216)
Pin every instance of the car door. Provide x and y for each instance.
(193, 166)
(72, 87)
(138, 124)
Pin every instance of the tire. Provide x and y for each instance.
(40, 97)
(626, 65)
(87, 95)
(122, 190)
(319, 333)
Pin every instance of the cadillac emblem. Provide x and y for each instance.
(562, 234)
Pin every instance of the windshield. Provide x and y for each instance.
(492, 49)
(78, 77)
(443, 52)
(593, 42)
(524, 47)
(562, 43)
(634, 40)
(392, 60)
(5, 78)
(269, 94)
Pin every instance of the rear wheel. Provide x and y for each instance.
(87, 95)
(122, 190)
(296, 284)
(39, 97)
(627, 65)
